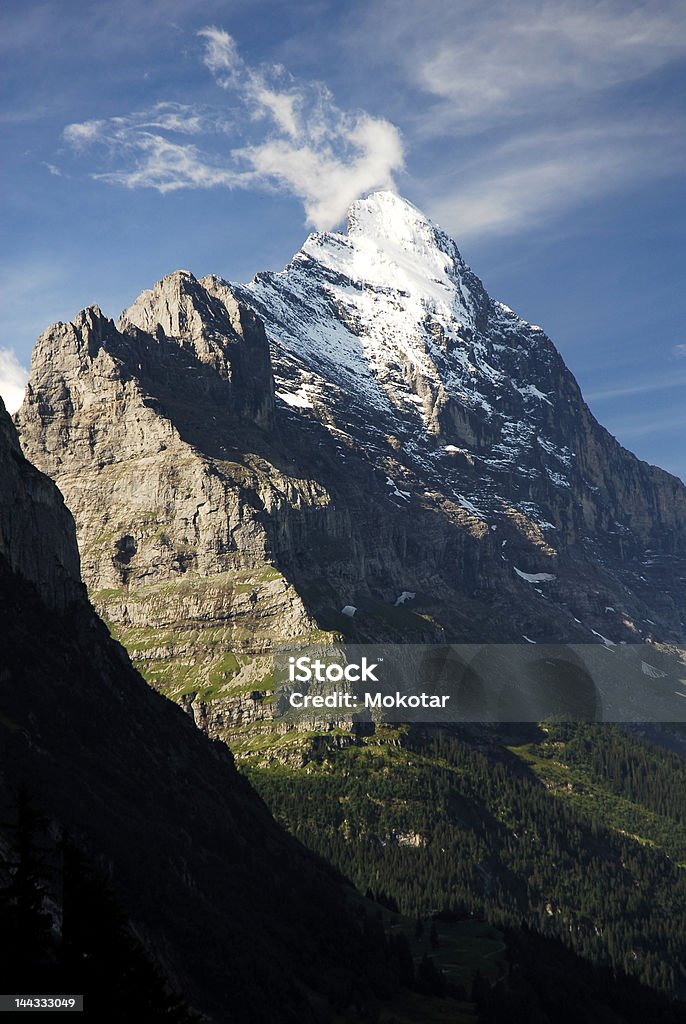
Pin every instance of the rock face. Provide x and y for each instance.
(246, 924)
(217, 331)
(37, 537)
(140, 429)
(424, 440)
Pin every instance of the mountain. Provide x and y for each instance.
(368, 428)
(244, 461)
(239, 916)
(386, 336)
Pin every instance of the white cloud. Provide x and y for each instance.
(324, 180)
(679, 351)
(287, 135)
(534, 108)
(221, 55)
(13, 378)
(494, 60)
(524, 180)
(178, 118)
(80, 135)
(662, 383)
(166, 166)
(150, 159)
(325, 156)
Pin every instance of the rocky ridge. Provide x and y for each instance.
(391, 439)
(173, 535)
(403, 348)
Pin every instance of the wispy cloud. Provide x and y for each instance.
(145, 156)
(523, 180)
(284, 134)
(643, 424)
(663, 383)
(538, 106)
(493, 61)
(180, 118)
(679, 351)
(149, 147)
(13, 378)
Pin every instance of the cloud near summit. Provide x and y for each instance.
(282, 134)
(13, 378)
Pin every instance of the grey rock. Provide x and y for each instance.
(36, 529)
(423, 439)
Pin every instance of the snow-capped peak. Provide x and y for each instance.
(385, 217)
(391, 246)
(388, 317)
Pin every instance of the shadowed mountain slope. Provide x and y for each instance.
(243, 920)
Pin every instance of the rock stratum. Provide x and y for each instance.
(365, 428)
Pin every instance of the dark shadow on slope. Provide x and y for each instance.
(243, 920)
(361, 544)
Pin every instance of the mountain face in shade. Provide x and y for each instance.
(37, 538)
(244, 461)
(245, 923)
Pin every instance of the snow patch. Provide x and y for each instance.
(531, 391)
(651, 671)
(557, 478)
(470, 507)
(396, 492)
(608, 643)
(297, 401)
(535, 577)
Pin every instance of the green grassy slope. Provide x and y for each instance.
(524, 828)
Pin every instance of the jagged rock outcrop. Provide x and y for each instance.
(139, 429)
(424, 441)
(219, 331)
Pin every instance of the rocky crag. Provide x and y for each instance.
(37, 533)
(366, 428)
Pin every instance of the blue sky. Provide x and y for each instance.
(546, 137)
